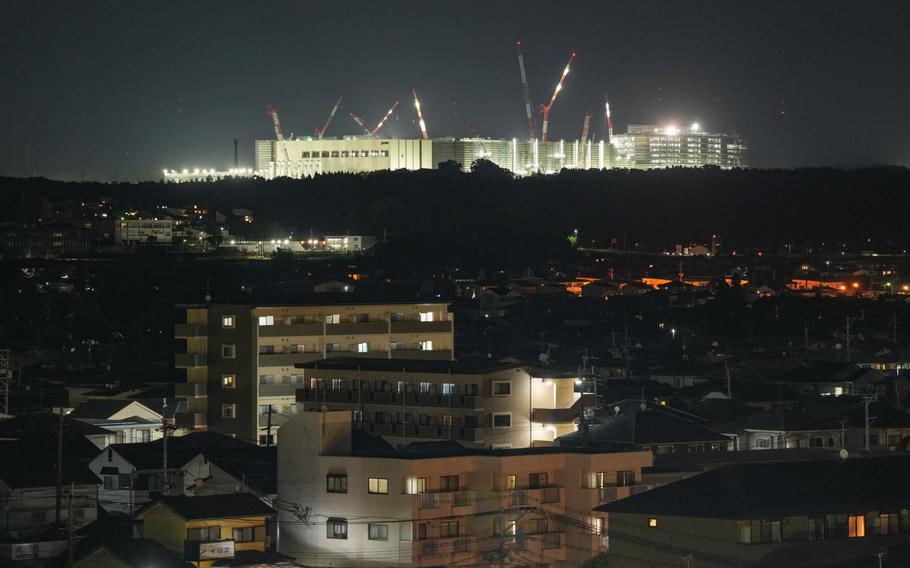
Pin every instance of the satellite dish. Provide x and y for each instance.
(616, 410)
(843, 454)
(208, 298)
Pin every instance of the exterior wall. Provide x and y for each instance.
(767, 439)
(417, 535)
(308, 157)
(124, 501)
(19, 509)
(160, 231)
(649, 147)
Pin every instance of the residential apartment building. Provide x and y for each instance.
(240, 360)
(364, 503)
(795, 514)
(479, 404)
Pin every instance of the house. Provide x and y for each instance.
(33, 522)
(354, 500)
(783, 429)
(649, 430)
(126, 421)
(251, 469)
(889, 428)
(211, 529)
(126, 553)
(795, 514)
(826, 378)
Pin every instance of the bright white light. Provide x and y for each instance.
(671, 131)
(695, 127)
(578, 381)
(186, 171)
(165, 172)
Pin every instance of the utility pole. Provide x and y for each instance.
(689, 560)
(69, 527)
(59, 467)
(165, 485)
(268, 429)
(849, 325)
(5, 375)
(729, 384)
(867, 400)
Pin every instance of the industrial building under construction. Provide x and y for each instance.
(641, 147)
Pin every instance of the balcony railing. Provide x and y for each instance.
(190, 390)
(186, 360)
(421, 326)
(422, 354)
(195, 420)
(190, 330)
(287, 359)
(563, 415)
(459, 433)
(277, 419)
(278, 389)
(291, 330)
(305, 394)
(617, 492)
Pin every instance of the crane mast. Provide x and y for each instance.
(545, 109)
(608, 118)
(384, 119)
(526, 94)
(583, 142)
(361, 124)
(320, 132)
(273, 112)
(420, 121)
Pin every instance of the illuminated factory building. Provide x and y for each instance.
(648, 146)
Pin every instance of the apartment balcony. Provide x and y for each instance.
(287, 359)
(417, 431)
(277, 419)
(355, 328)
(529, 497)
(422, 354)
(454, 401)
(615, 493)
(279, 389)
(188, 360)
(564, 415)
(192, 420)
(190, 330)
(190, 390)
(291, 330)
(421, 326)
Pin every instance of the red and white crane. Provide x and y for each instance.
(320, 132)
(526, 94)
(273, 112)
(545, 109)
(384, 119)
(608, 118)
(420, 121)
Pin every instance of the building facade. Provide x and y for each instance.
(440, 504)
(144, 231)
(648, 146)
(483, 405)
(306, 157)
(239, 360)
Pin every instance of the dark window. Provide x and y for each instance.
(537, 480)
(124, 481)
(337, 528)
(625, 478)
(448, 529)
(448, 483)
(470, 422)
(502, 389)
(336, 483)
(502, 420)
(470, 390)
(250, 534)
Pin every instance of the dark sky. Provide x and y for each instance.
(122, 89)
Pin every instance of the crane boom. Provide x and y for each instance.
(608, 117)
(526, 94)
(360, 123)
(320, 132)
(546, 108)
(384, 119)
(420, 121)
(583, 142)
(273, 112)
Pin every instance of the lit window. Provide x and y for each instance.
(227, 322)
(266, 320)
(378, 486)
(511, 482)
(503, 420)
(363, 347)
(426, 345)
(227, 381)
(652, 522)
(378, 531)
(448, 388)
(416, 485)
(229, 411)
(228, 351)
(333, 318)
(856, 526)
(426, 316)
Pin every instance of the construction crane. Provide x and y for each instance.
(320, 132)
(384, 119)
(273, 112)
(608, 118)
(476, 134)
(526, 93)
(545, 109)
(583, 141)
(361, 124)
(420, 121)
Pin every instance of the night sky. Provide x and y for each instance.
(120, 90)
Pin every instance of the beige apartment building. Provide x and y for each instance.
(353, 500)
(240, 360)
(478, 404)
